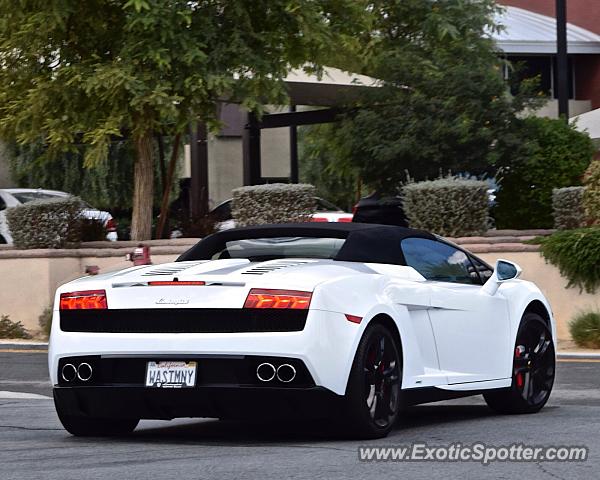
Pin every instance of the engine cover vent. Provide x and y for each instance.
(171, 270)
(268, 267)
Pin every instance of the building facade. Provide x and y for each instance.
(530, 38)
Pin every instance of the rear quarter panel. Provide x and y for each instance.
(367, 296)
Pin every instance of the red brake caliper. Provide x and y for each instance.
(518, 353)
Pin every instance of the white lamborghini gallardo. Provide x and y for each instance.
(349, 322)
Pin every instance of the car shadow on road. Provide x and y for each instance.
(417, 419)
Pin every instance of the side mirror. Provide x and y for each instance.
(503, 272)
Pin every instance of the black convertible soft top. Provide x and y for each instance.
(365, 242)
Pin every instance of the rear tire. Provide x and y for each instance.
(372, 400)
(81, 426)
(533, 370)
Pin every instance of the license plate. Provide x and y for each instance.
(171, 374)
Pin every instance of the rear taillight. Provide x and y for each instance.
(319, 219)
(345, 219)
(84, 300)
(258, 298)
(111, 225)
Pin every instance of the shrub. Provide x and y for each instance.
(591, 198)
(450, 206)
(45, 321)
(275, 203)
(567, 207)
(10, 329)
(556, 156)
(577, 255)
(45, 223)
(585, 329)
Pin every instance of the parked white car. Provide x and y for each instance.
(12, 197)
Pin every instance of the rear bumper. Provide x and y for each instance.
(204, 401)
(326, 346)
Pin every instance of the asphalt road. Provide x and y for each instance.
(34, 446)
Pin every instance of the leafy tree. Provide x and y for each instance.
(442, 103)
(87, 72)
(316, 168)
(107, 185)
(556, 155)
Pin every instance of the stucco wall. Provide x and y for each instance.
(225, 168)
(27, 285)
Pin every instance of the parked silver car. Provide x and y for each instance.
(12, 197)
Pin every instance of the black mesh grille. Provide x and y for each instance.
(183, 320)
(210, 371)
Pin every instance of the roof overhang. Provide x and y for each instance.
(588, 122)
(546, 48)
(527, 32)
(332, 87)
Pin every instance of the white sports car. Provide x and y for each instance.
(348, 322)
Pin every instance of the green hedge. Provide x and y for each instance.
(49, 223)
(591, 198)
(275, 203)
(577, 255)
(451, 206)
(567, 207)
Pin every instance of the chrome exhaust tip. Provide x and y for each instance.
(84, 372)
(265, 372)
(286, 373)
(68, 372)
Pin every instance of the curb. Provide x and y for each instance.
(577, 355)
(10, 345)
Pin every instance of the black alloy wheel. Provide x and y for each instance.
(381, 380)
(374, 387)
(533, 370)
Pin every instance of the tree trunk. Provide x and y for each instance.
(143, 189)
(164, 206)
(161, 160)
